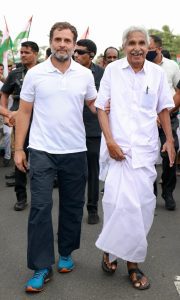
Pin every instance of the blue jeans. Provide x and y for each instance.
(72, 174)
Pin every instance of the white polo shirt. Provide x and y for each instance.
(135, 101)
(57, 125)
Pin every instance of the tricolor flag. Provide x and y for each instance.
(22, 35)
(85, 34)
(6, 45)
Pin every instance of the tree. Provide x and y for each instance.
(171, 42)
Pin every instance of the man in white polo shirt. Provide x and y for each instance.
(56, 90)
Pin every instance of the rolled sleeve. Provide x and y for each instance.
(91, 89)
(28, 91)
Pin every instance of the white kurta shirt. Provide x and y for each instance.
(135, 101)
(172, 71)
(57, 126)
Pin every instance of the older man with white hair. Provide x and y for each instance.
(138, 91)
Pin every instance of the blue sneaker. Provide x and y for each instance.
(65, 264)
(40, 277)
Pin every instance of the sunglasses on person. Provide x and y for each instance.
(81, 52)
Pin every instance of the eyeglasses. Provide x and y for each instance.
(81, 52)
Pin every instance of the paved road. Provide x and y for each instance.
(87, 281)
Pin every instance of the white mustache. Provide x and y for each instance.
(137, 53)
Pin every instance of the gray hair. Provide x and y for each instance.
(131, 29)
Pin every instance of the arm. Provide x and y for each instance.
(91, 106)
(4, 99)
(2, 78)
(22, 125)
(8, 115)
(4, 111)
(4, 103)
(93, 109)
(169, 145)
(114, 150)
(177, 99)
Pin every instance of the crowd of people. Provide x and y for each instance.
(79, 121)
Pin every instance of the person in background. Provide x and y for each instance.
(176, 98)
(100, 61)
(7, 130)
(11, 66)
(1, 118)
(172, 71)
(12, 86)
(84, 53)
(48, 53)
(5, 113)
(110, 54)
(166, 53)
(2, 78)
(177, 106)
(138, 91)
(55, 90)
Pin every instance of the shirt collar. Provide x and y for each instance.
(51, 68)
(126, 64)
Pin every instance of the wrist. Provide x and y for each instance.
(18, 149)
(170, 140)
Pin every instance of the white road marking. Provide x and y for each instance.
(177, 284)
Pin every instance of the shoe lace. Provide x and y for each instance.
(40, 273)
(66, 258)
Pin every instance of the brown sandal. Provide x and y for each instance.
(137, 279)
(107, 266)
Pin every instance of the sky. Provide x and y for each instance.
(106, 19)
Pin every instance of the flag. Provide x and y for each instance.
(85, 34)
(6, 45)
(22, 35)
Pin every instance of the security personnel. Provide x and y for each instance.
(12, 86)
(84, 53)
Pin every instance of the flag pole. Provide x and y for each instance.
(30, 21)
(10, 41)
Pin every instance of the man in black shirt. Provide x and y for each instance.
(84, 54)
(12, 86)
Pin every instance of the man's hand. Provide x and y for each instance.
(115, 151)
(20, 160)
(169, 148)
(10, 120)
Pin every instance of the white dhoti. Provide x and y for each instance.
(128, 205)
